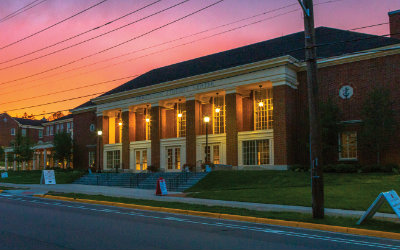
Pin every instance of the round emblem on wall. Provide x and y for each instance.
(346, 92)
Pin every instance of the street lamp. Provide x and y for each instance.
(206, 120)
(99, 134)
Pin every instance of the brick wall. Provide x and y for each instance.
(6, 124)
(394, 20)
(234, 123)
(84, 139)
(155, 135)
(192, 129)
(125, 140)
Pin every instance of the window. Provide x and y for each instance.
(256, 152)
(92, 127)
(68, 127)
(40, 133)
(148, 123)
(348, 145)
(263, 109)
(181, 120)
(218, 114)
(57, 128)
(51, 130)
(23, 132)
(113, 159)
(61, 127)
(213, 153)
(92, 159)
(13, 131)
(173, 158)
(47, 130)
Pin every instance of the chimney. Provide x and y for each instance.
(394, 20)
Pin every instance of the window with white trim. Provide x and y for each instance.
(148, 123)
(113, 159)
(13, 131)
(256, 152)
(92, 127)
(47, 130)
(51, 130)
(40, 133)
(57, 128)
(263, 109)
(23, 132)
(348, 145)
(218, 103)
(61, 127)
(181, 119)
(68, 127)
(92, 159)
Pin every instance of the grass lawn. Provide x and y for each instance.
(344, 191)
(328, 220)
(33, 176)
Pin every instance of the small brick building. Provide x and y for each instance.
(255, 98)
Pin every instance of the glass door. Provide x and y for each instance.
(173, 158)
(213, 153)
(141, 159)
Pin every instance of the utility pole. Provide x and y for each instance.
(317, 183)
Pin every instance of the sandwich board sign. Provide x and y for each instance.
(48, 177)
(391, 197)
(4, 175)
(161, 187)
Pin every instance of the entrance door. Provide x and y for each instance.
(213, 151)
(173, 158)
(141, 159)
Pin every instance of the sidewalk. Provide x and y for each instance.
(150, 195)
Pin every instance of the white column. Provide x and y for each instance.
(6, 161)
(14, 164)
(44, 158)
(38, 160)
(23, 166)
(34, 161)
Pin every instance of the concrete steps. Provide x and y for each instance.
(175, 181)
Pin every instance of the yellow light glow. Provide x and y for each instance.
(147, 120)
(179, 115)
(99, 132)
(206, 119)
(217, 110)
(260, 104)
(120, 123)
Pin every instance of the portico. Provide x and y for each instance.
(162, 125)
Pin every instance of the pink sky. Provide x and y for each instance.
(344, 14)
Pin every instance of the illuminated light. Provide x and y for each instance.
(206, 119)
(217, 110)
(260, 104)
(180, 115)
(120, 123)
(99, 132)
(147, 120)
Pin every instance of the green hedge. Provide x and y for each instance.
(350, 168)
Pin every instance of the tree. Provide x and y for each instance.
(55, 116)
(378, 121)
(22, 149)
(1, 153)
(63, 148)
(329, 119)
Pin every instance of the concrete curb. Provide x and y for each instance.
(323, 227)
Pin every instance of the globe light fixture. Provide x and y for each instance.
(180, 115)
(206, 119)
(260, 104)
(217, 110)
(119, 123)
(99, 132)
(147, 119)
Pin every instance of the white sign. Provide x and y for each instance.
(208, 169)
(391, 197)
(346, 92)
(48, 177)
(4, 175)
(163, 187)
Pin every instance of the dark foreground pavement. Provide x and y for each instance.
(34, 223)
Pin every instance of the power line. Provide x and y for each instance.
(21, 10)
(369, 26)
(117, 45)
(68, 90)
(80, 34)
(53, 25)
(95, 37)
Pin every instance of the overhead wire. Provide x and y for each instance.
(21, 10)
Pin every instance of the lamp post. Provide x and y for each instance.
(99, 134)
(206, 120)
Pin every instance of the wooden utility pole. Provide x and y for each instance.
(317, 183)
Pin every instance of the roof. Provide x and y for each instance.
(63, 118)
(292, 45)
(85, 105)
(28, 122)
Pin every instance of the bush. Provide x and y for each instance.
(299, 168)
(153, 169)
(387, 168)
(190, 167)
(341, 168)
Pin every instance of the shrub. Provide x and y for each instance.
(299, 168)
(190, 167)
(341, 168)
(153, 169)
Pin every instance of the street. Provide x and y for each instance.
(34, 223)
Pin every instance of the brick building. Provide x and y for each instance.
(41, 133)
(255, 98)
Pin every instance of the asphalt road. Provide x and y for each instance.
(34, 223)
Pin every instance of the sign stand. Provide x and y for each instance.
(48, 177)
(161, 187)
(391, 197)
